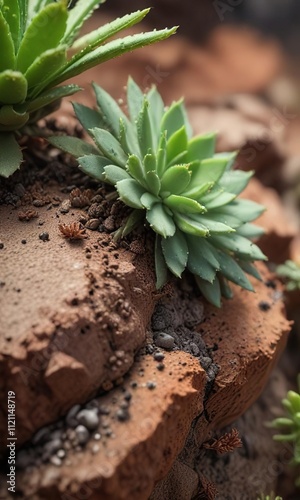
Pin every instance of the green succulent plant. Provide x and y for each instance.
(290, 271)
(290, 424)
(186, 192)
(38, 53)
(269, 497)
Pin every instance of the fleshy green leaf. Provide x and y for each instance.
(216, 199)
(175, 179)
(239, 245)
(11, 12)
(209, 170)
(183, 205)
(250, 269)
(246, 210)
(45, 65)
(211, 291)
(204, 249)
(153, 182)
(176, 144)
(156, 111)
(160, 264)
(93, 165)
(72, 145)
(10, 119)
(7, 59)
(250, 231)
(201, 147)
(235, 181)
(45, 32)
(130, 192)
(213, 225)
(50, 96)
(114, 174)
(134, 219)
(109, 146)
(175, 118)
(135, 99)
(13, 87)
(77, 16)
(11, 155)
(148, 200)
(144, 130)
(175, 251)
(190, 226)
(89, 118)
(110, 111)
(232, 271)
(160, 221)
(198, 265)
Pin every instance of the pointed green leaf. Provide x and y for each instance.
(109, 146)
(109, 110)
(72, 145)
(175, 179)
(148, 200)
(11, 155)
(228, 220)
(160, 221)
(175, 251)
(216, 199)
(239, 245)
(7, 59)
(175, 118)
(144, 130)
(245, 209)
(211, 291)
(89, 118)
(109, 51)
(176, 144)
(198, 266)
(251, 231)
(183, 205)
(162, 155)
(204, 249)
(250, 269)
(77, 17)
(114, 174)
(95, 38)
(235, 181)
(188, 225)
(135, 168)
(212, 225)
(207, 171)
(50, 96)
(130, 192)
(153, 182)
(93, 165)
(225, 288)
(150, 163)
(201, 147)
(178, 160)
(156, 111)
(197, 192)
(11, 12)
(23, 9)
(13, 87)
(44, 33)
(135, 99)
(232, 271)
(45, 65)
(160, 264)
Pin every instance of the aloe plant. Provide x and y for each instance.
(39, 52)
(290, 271)
(290, 424)
(186, 193)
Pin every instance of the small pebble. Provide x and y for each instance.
(88, 418)
(165, 341)
(92, 224)
(1, 245)
(44, 236)
(55, 461)
(38, 203)
(151, 385)
(122, 415)
(70, 417)
(127, 396)
(82, 434)
(61, 453)
(264, 306)
(158, 356)
(97, 436)
(95, 448)
(160, 367)
(23, 242)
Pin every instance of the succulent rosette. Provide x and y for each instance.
(187, 194)
(39, 52)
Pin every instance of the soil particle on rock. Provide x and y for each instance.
(44, 236)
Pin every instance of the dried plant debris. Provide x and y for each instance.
(81, 199)
(226, 443)
(208, 490)
(27, 215)
(72, 231)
